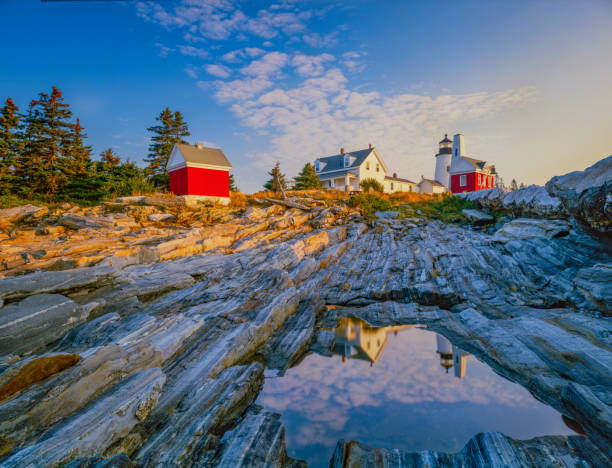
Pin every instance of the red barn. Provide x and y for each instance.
(199, 173)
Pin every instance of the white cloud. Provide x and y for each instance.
(163, 50)
(219, 71)
(236, 55)
(323, 113)
(351, 61)
(193, 51)
(269, 64)
(219, 19)
(311, 65)
(192, 72)
(317, 40)
(238, 89)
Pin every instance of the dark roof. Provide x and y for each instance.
(399, 179)
(446, 139)
(336, 162)
(433, 182)
(212, 156)
(477, 163)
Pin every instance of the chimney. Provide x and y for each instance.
(341, 150)
(370, 145)
(458, 145)
(199, 145)
(394, 174)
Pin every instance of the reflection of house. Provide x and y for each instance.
(355, 339)
(451, 356)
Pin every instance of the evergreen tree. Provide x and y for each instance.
(513, 185)
(110, 159)
(28, 170)
(171, 130)
(76, 157)
(46, 135)
(277, 177)
(9, 145)
(232, 183)
(307, 178)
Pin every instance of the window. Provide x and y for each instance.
(447, 168)
(368, 166)
(347, 160)
(479, 179)
(456, 152)
(462, 181)
(377, 168)
(410, 188)
(317, 166)
(391, 185)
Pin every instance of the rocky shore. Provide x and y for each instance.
(137, 333)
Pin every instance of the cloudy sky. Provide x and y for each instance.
(527, 82)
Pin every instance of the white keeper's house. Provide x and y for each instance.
(346, 170)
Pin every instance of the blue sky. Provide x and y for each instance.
(527, 82)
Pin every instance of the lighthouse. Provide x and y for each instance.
(443, 162)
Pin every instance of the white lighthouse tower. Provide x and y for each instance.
(443, 162)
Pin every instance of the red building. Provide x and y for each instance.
(468, 174)
(199, 173)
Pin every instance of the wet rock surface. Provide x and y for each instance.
(166, 337)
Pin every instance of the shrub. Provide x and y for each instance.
(371, 185)
(369, 203)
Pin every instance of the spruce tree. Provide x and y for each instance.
(76, 157)
(109, 159)
(9, 145)
(47, 133)
(171, 130)
(28, 170)
(276, 177)
(513, 185)
(307, 178)
(232, 183)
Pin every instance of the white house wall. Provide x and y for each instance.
(371, 173)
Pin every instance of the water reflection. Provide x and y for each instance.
(398, 387)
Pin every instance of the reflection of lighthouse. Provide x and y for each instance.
(459, 361)
(451, 356)
(445, 350)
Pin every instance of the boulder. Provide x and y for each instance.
(73, 221)
(158, 217)
(587, 195)
(10, 216)
(386, 214)
(37, 321)
(526, 228)
(529, 201)
(477, 217)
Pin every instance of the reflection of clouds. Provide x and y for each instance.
(406, 400)
(408, 372)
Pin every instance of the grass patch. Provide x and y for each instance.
(369, 203)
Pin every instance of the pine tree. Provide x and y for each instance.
(307, 178)
(276, 177)
(47, 132)
(9, 145)
(232, 183)
(76, 157)
(28, 170)
(513, 185)
(171, 130)
(109, 159)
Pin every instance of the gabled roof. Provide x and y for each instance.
(336, 162)
(434, 183)
(398, 179)
(202, 155)
(477, 163)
